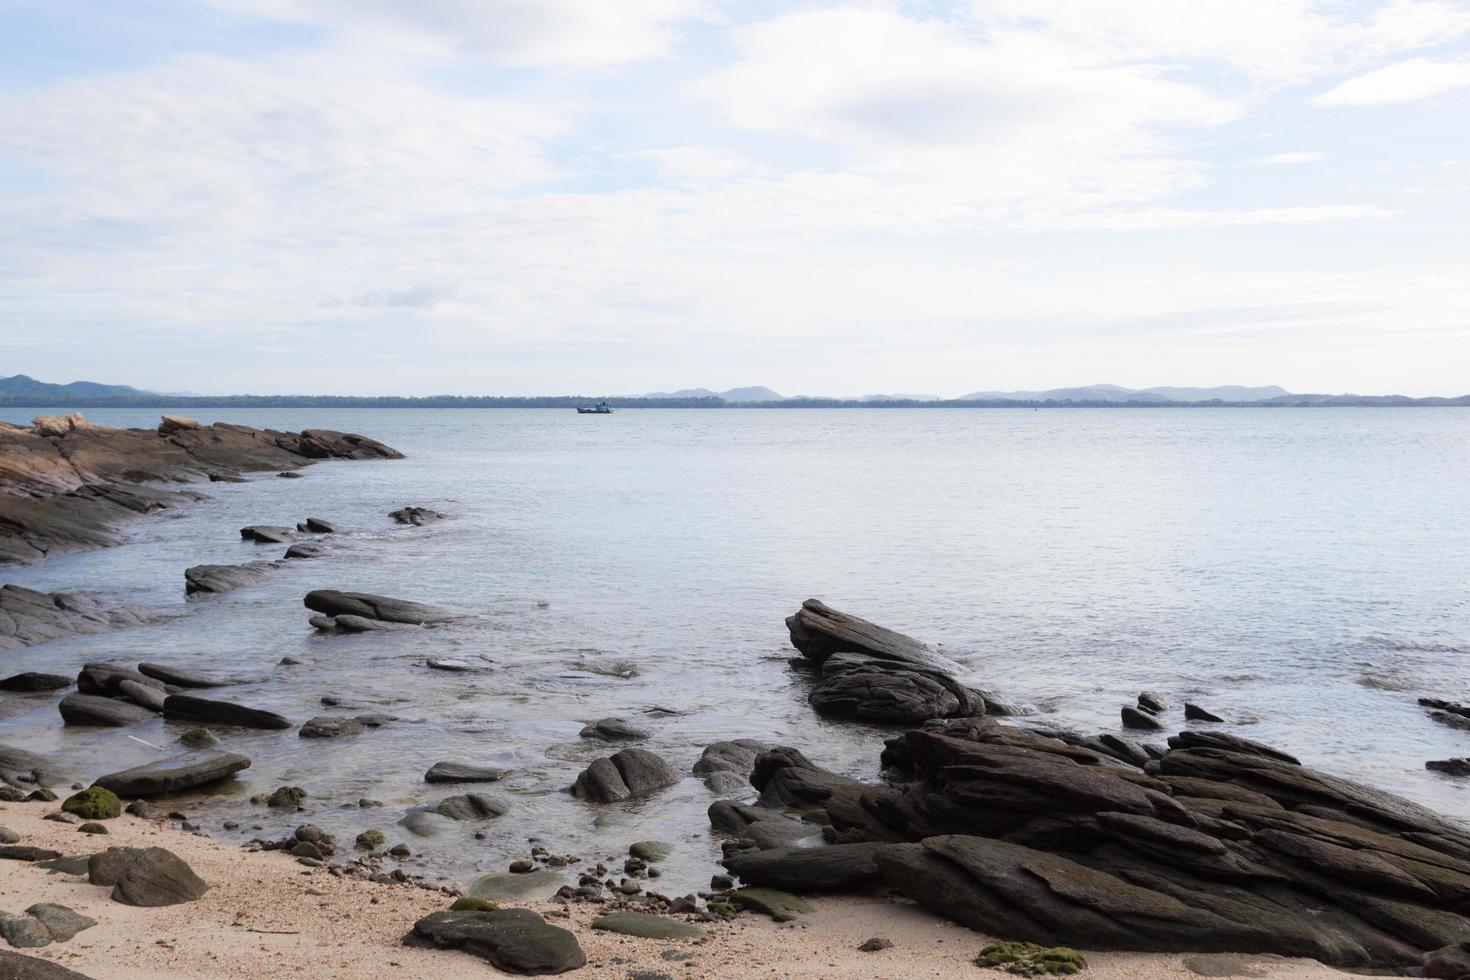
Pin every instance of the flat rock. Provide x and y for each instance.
(306, 549)
(89, 709)
(104, 679)
(174, 774)
(614, 730)
(158, 877)
(513, 940)
(459, 772)
(808, 869)
(268, 534)
(624, 775)
(28, 617)
(214, 712)
(502, 886)
(646, 926)
(215, 579)
(61, 922)
(180, 677)
(25, 852)
(329, 602)
(736, 756)
(779, 905)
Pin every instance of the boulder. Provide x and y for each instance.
(1154, 703)
(514, 940)
(158, 877)
(172, 775)
(624, 775)
(329, 602)
(808, 869)
(104, 679)
(459, 772)
(212, 712)
(736, 756)
(89, 709)
(106, 867)
(61, 922)
(1141, 720)
(93, 803)
(31, 682)
(24, 931)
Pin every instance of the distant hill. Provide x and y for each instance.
(21, 389)
(758, 393)
(1116, 393)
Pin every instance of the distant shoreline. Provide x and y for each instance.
(572, 401)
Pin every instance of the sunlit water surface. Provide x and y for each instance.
(1305, 573)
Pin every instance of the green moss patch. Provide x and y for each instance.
(94, 803)
(1031, 960)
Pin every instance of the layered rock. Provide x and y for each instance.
(874, 674)
(363, 611)
(28, 617)
(214, 579)
(66, 483)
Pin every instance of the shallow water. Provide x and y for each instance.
(1305, 573)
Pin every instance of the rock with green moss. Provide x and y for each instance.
(724, 910)
(1031, 960)
(94, 803)
(92, 827)
(779, 905)
(370, 840)
(287, 798)
(473, 905)
(651, 850)
(646, 926)
(8, 836)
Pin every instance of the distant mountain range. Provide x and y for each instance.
(23, 391)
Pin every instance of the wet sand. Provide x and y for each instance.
(265, 915)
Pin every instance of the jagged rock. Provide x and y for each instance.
(222, 713)
(28, 617)
(514, 940)
(158, 877)
(174, 774)
(373, 607)
(179, 677)
(459, 772)
(89, 709)
(327, 726)
(214, 579)
(31, 682)
(614, 730)
(808, 869)
(1141, 720)
(1193, 712)
(624, 775)
(1450, 767)
(1154, 703)
(417, 516)
(268, 534)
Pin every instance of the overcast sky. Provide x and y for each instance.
(539, 196)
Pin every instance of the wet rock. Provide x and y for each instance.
(624, 775)
(216, 579)
(429, 819)
(417, 516)
(105, 680)
(614, 730)
(199, 738)
(315, 525)
(787, 778)
(158, 877)
(513, 940)
(459, 772)
(286, 798)
(28, 617)
(214, 712)
(650, 850)
(61, 922)
(736, 756)
(90, 709)
(329, 602)
(1450, 767)
(808, 869)
(32, 682)
(1141, 720)
(94, 803)
(290, 475)
(646, 926)
(305, 549)
(726, 782)
(1193, 712)
(327, 726)
(449, 664)
(370, 840)
(1154, 703)
(174, 774)
(180, 677)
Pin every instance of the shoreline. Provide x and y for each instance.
(312, 923)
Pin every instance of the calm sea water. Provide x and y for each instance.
(1305, 573)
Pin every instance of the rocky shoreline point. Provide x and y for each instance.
(66, 482)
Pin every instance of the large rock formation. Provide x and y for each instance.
(874, 674)
(65, 482)
(28, 617)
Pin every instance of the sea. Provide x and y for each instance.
(1304, 573)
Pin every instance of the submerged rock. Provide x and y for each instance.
(327, 726)
(268, 534)
(174, 774)
(417, 516)
(222, 713)
(624, 775)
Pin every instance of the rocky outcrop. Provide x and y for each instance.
(875, 674)
(171, 775)
(624, 775)
(1219, 845)
(214, 579)
(28, 617)
(66, 483)
(358, 611)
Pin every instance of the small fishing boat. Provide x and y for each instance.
(601, 408)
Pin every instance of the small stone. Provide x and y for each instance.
(92, 828)
(370, 840)
(875, 944)
(140, 808)
(198, 738)
(721, 883)
(8, 836)
(399, 850)
(522, 867)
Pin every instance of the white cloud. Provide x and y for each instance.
(1407, 81)
(1293, 156)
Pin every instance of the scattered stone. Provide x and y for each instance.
(651, 850)
(155, 878)
(458, 772)
(614, 730)
(222, 713)
(1193, 712)
(315, 525)
(624, 775)
(199, 738)
(646, 926)
(514, 940)
(139, 809)
(449, 664)
(174, 774)
(290, 475)
(94, 803)
(59, 817)
(875, 945)
(8, 836)
(92, 828)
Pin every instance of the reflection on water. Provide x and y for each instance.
(1302, 572)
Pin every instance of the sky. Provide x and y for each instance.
(839, 198)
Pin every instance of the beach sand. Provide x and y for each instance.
(265, 915)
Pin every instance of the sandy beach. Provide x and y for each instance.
(267, 916)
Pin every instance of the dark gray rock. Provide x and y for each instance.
(142, 695)
(15, 966)
(190, 708)
(1140, 720)
(1193, 712)
(646, 926)
(172, 775)
(106, 867)
(624, 775)
(329, 602)
(417, 516)
(1154, 703)
(1450, 767)
(28, 617)
(216, 579)
(736, 756)
(459, 772)
(31, 681)
(23, 931)
(158, 877)
(513, 940)
(614, 730)
(267, 534)
(90, 709)
(808, 869)
(61, 922)
(327, 726)
(179, 677)
(103, 680)
(315, 525)
(306, 549)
